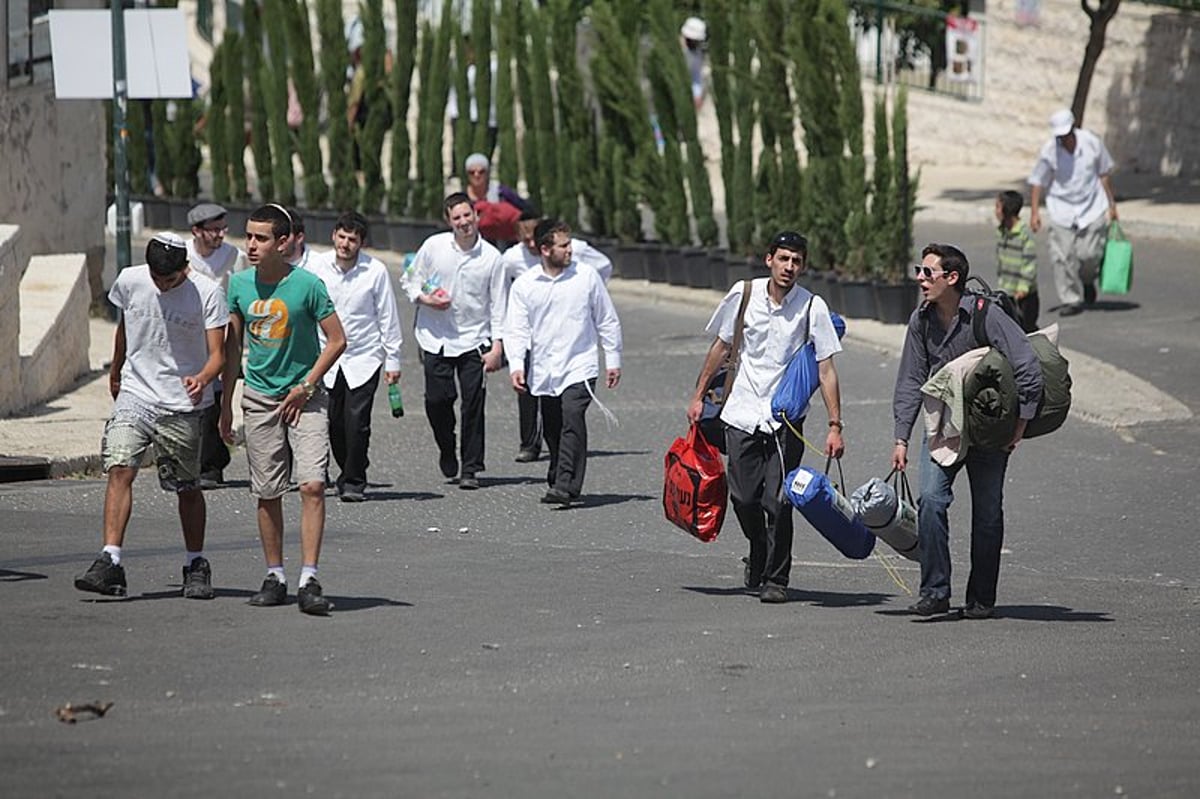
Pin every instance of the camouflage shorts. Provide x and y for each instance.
(135, 425)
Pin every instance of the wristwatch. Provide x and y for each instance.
(900, 442)
(837, 423)
(308, 388)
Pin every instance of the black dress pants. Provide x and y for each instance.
(214, 455)
(529, 421)
(440, 395)
(566, 436)
(350, 430)
(755, 477)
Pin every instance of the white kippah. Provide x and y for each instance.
(170, 239)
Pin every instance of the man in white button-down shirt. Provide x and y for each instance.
(557, 313)
(519, 259)
(456, 280)
(1073, 171)
(761, 450)
(362, 292)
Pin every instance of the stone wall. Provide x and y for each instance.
(1149, 67)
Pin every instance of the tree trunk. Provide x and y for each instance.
(1100, 17)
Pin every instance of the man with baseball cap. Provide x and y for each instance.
(168, 349)
(1074, 172)
(209, 254)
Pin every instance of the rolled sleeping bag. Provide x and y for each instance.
(825, 508)
(887, 516)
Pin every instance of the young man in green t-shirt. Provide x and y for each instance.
(278, 308)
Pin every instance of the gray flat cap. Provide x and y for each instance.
(204, 212)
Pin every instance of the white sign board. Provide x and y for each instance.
(156, 55)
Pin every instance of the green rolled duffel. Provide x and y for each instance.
(1116, 274)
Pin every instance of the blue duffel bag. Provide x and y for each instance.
(825, 508)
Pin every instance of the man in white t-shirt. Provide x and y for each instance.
(209, 254)
(168, 349)
(1074, 173)
(362, 292)
(517, 260)
(558, 312)
(761, 450)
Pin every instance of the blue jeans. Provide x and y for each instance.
(985, 473)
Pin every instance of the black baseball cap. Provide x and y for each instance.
(789, 240)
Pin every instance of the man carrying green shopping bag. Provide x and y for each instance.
(1073, 171)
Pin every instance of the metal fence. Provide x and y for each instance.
(920, 47)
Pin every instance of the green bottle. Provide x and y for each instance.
(395, 400)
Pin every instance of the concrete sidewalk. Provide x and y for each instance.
(62, 437)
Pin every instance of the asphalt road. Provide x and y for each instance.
(486, 645)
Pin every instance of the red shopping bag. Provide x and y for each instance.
(694, 490)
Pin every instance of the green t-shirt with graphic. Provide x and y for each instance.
(280, 326)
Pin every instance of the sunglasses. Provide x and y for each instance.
(922, 271)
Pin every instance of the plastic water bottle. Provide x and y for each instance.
(395, 400)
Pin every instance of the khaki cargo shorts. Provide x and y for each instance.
(279, 453)
(135, 425)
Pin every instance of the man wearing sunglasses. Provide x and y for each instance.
(761, 450)
(939, 331)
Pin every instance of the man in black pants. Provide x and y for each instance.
(557, 314)
(456, 281)
(761, 451)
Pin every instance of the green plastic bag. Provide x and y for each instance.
(1116, 274)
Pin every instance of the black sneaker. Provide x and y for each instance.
(271, 594)
(103, 577)
(312, 599)
(197, 580)
(928, 606)
(1070, 310)
(557, 497)
(448, 463)
(527, 456)
(977, 610)
(352, 495)
(211, 480)
(469, 482)
(773, 594)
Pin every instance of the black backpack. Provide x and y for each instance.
(985, 296)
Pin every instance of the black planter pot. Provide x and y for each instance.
(179, 212)
(742, 267)
(379, 233)
(858, 298)
(718, 269)
(833, 292)
(156, 211)
(656, 262)
(676, 266)
(629, 261)
(236, 217)
(895, 302)
(697, 274)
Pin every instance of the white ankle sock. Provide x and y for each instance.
(278, 572)
(190, 558)
(306, 573)
(114, 553)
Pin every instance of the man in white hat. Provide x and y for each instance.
(168, 350)
(1073, 171)
(694, 33)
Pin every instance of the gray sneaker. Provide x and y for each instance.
(103, 577)
(197, 580)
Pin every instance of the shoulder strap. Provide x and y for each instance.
(736, 348)
(979, 312)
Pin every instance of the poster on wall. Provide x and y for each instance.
(1028, 13)
(962, 49)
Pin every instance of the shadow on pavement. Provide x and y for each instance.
(386, 496)
(340, 602)
(525, 480)
(600, 500)
(12, 576)
(1018, 612)
(822, 599)
(616, 453)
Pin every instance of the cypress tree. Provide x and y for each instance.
(401, 91)
(481, 42)
(543, 112)
(304, 79)
(334, 63)
(185, 149)
(670, 209)
(235, 118)
(506, 47)
(426, 42)
(273, 81)
(576, 136)
(883, 198)
(741, 224)
(526, 92)
(164, 169)
(375, 95)
(906, 190)
(464, 128)
(260, 137)
(215, 128)
(138, 152)
(433, 111)
(717, 13)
